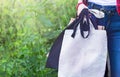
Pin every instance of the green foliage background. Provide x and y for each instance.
(27, 31)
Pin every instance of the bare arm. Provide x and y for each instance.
(81, 7)
(80, 1)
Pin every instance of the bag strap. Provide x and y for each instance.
(83, 20)
(84, 25)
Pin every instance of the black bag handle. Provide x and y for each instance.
(83, 20)
(80, 20)
(85, 24)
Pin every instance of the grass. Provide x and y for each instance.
(27, 31)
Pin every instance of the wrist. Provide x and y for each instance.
(78, 5)
(80, 1)
(80, 8)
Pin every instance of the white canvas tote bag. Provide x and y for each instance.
(83, 57)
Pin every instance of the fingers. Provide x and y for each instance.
(47, 55)
(101, 27)
(71, 20)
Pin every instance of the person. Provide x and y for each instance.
(111, 22)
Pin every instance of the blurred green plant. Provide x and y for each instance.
(27, 31)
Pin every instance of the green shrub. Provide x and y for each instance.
(27, 31)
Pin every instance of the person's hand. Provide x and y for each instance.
(80, 8)
(101, 27)
(71, 20)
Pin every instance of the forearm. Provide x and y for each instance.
(80, 1)
(80, 7)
